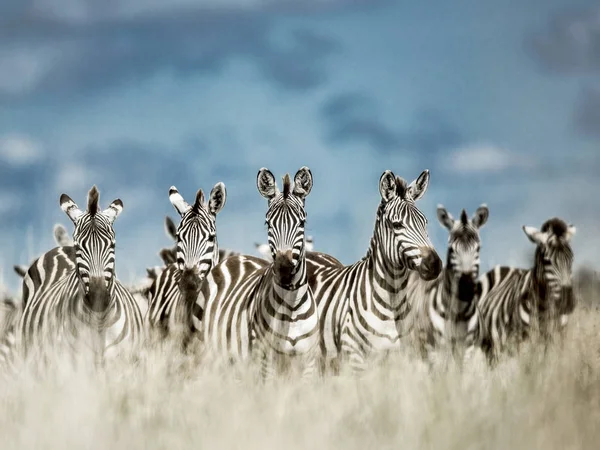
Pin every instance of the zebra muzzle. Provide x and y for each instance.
(431, 264)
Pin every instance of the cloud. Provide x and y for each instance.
(74, 46)
(588, 112)
(482, 158)
(352, 117)
(569, 44)
(17, 150)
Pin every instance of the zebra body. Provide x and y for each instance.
(446, 312)
(71, 295)
(173, 294)
(363, 308)
(251, 308)
(517, 304)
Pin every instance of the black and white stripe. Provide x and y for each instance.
(173, 295)
(446, 311)
(517, 304)
(72, 298)
(252, 308)
(363, 307)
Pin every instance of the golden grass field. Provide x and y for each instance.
(528, 402)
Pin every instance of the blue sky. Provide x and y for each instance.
(500, 102)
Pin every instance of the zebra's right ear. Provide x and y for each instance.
(70, 208)
(536, 236)
(445, 217)
(180, 205)
(217, 199)
(265, 182)
(20, 270)
(303, 182)
(170, 228)
(387, 186)
(61, 235)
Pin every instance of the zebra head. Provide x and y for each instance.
(554, 262)
(401, 229)
(197, 247)
(285, 219)
(464, 244)
(94, 240)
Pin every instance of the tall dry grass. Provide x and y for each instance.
(162, 402)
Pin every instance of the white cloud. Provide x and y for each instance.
(18, 150)
(482, 157)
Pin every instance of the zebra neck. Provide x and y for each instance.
(455, 294)
(388, 282)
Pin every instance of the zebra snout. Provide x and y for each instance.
(284, 263)
(431, 264)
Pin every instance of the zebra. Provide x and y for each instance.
(518, 304)
(169, 255)
(363, 308)
(265, 251)
(252, 309)
(61, 238)
(72, 296)
(173, 294)
(446, 311)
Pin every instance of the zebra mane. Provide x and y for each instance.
(401, 187)
(464, 219)
(555, 226)
(287, 185)
(199, 203)
(93, 198)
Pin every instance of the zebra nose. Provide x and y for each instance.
(284, 260)
(431, 264)
(567, 303)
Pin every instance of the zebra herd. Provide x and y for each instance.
(292, 307)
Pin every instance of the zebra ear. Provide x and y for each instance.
(445, 217)
(481, 216)
(217, 199)
(20, 270)
(61, 235)
(303, 182)
(180, 205)
(571, 230)
(168, 255)
(387, 186)
(114, 209)
(417, 188)
(70, 208)
(170, 228)
(536, 236)
(265, 182)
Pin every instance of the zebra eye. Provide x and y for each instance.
(397, 225)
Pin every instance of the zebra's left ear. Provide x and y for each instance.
(113, 210)
(536, 236)
(303, 182)
(417, 188)
(70, 208)
(481, 216)
(218, 197)
(571, 230)
(445, 217)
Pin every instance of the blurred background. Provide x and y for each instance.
(500, 102)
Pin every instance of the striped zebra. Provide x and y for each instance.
(363, 308)
(256, 310)
(518, 304)
(446, 312)
(73, 299)
(61, 238)
(265, 251)
(173, 294)
(169, 255)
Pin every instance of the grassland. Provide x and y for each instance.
(527, 402)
